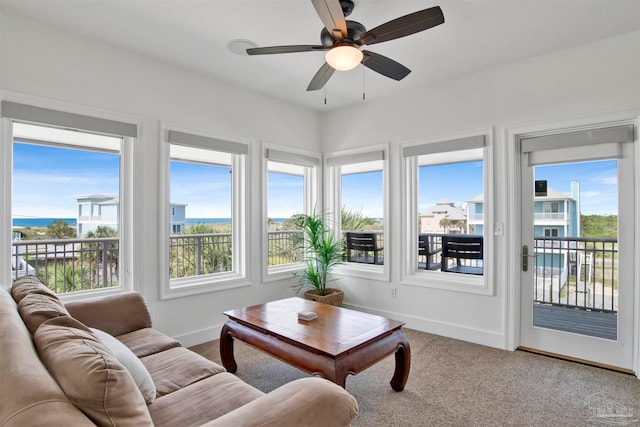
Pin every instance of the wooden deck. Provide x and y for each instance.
(591, 323)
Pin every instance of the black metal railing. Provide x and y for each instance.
(576, 272)
(198, 254)
(568, 271)
(68, 265)
(285, 247)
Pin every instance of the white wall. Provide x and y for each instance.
(589, 81)
(52, 65)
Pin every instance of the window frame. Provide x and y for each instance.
(86, 120)
(333, 203)
(240, 274)
(312, 162)
(410, 274)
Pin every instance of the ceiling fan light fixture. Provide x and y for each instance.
(344, 58)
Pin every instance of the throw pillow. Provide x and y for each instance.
(90, 376)
(130, 361)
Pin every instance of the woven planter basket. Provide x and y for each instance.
(333, 297)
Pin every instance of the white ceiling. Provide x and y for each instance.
(476, 35)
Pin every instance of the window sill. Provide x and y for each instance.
(456, 282)
(364, 271)
(282, 272)
(94, 293)
(203, 284)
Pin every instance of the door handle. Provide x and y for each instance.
(525, 258)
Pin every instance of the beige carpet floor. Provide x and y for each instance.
(456, 383)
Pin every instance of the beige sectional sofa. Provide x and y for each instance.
(61, 366)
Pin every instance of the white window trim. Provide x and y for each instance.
(333, 202)
(240, 275)
(127, 252)
(312, 180)
(410, 275)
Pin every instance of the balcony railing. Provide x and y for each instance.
(550, 216)
(90, 218)
(285, 247)
(68, 265)
(576, 272)
(197, 254)
(475, 217)
(570, 272)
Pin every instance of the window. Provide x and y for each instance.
(69, 199)
(446, 214)
(291, 189)
(358, 193)
(205, 213)
(550, 232)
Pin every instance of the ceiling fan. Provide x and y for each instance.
(342, 40)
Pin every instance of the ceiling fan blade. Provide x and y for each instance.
(321, 78)
(385, 66)
(403, 26)
(331, 15)
(284, 49)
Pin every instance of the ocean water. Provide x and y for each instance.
(45, 222)
(41, 222)
(223, 220)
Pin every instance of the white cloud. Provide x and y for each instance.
(589, 194)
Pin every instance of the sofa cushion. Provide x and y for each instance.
(29, 394)
(36, 308)
(140, 375)
(29, 284)
(90, 376)
(178, 367)
(116, 314)
(147, 341)
(203, 401)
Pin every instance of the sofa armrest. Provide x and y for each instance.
(115, 314)
(307, 402)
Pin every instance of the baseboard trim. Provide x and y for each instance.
(477, 336)
(577, 360)
(449, 330)
(200, 336)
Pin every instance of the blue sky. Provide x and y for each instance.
(285, 195)
(598, 184)
(363, 192)
(205, 189)
(456, 182)
(48, 180)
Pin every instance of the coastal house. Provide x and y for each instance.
(101, 210)
(556, 214)
(178, 218)
(97, 210)
(443, 217)
(19, 266)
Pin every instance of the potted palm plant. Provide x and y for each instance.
(323, 251)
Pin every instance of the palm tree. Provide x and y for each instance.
(445, 223)
(96, 256)
(203, 254)
(322, 253)
(59, 229)
(351, 220)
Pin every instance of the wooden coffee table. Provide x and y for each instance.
(338, 343)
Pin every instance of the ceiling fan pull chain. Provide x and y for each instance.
(325, 95)
(363, 89)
